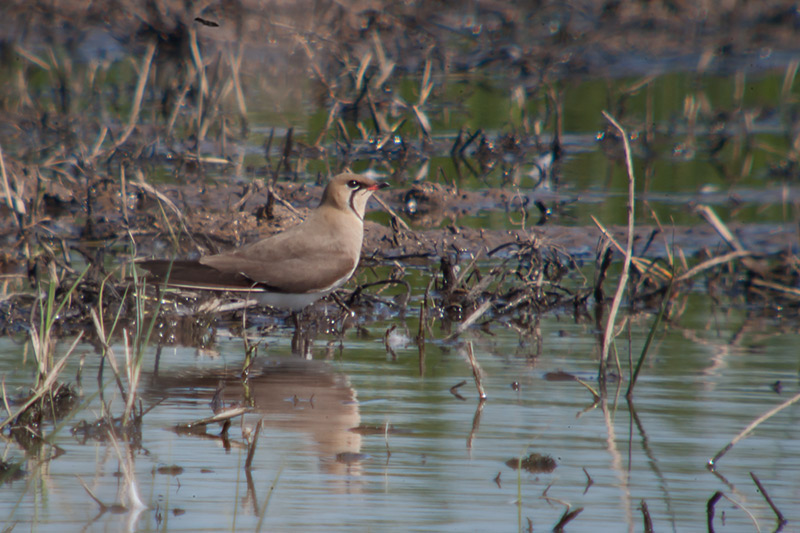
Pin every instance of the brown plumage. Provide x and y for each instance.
(294, 268)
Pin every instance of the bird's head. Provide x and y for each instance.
(350, 192)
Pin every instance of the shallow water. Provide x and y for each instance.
(443, 465)
(723, 135)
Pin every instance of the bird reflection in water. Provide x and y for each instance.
(305, 397)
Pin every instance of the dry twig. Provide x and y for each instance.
(623, 280)
(477, 372)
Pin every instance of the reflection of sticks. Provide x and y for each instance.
(712, 463)
(251, 491)
(626, 265)
(616, 463)
(589, 388)
(386, 439)
(251, 448)
(476, 371)
(710, 509)
(781, 519)
(135, 503)
(423, 317)
(272, 486)
(387, 344)
(476, 423)
(648, 522)
(654, 465)
(569, 513)
(713, 501)
(46, 386)
(589, 481)
(220, 417)
(471, 319)
(550, 499)
(651, 334)
(567, 517)
(454, 390)
(103, 506)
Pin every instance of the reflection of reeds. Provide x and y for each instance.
(135, 341)
(43, 340)
(477, 372)
(43, 337)
(712, 463)
(134, 351)
(45, 387)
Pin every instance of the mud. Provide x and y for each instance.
(216, 216)
(153, 131)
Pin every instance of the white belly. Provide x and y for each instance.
(296, 302)
(292, 302)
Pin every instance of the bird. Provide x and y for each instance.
(292, 269)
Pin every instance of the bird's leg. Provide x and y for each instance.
(296, 334)
(302, 337)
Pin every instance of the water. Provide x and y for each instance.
(715, 366)
(443, 466)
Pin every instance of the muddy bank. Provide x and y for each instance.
(174, 131)
(580, 243)
(206, 218)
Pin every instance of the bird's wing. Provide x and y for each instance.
(193, 275)
(287, 263)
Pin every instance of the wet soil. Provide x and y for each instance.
(103, 165)
(189, 175)
(217, 216)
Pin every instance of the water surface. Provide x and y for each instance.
(443, 465)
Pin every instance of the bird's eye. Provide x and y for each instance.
(354, 184)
